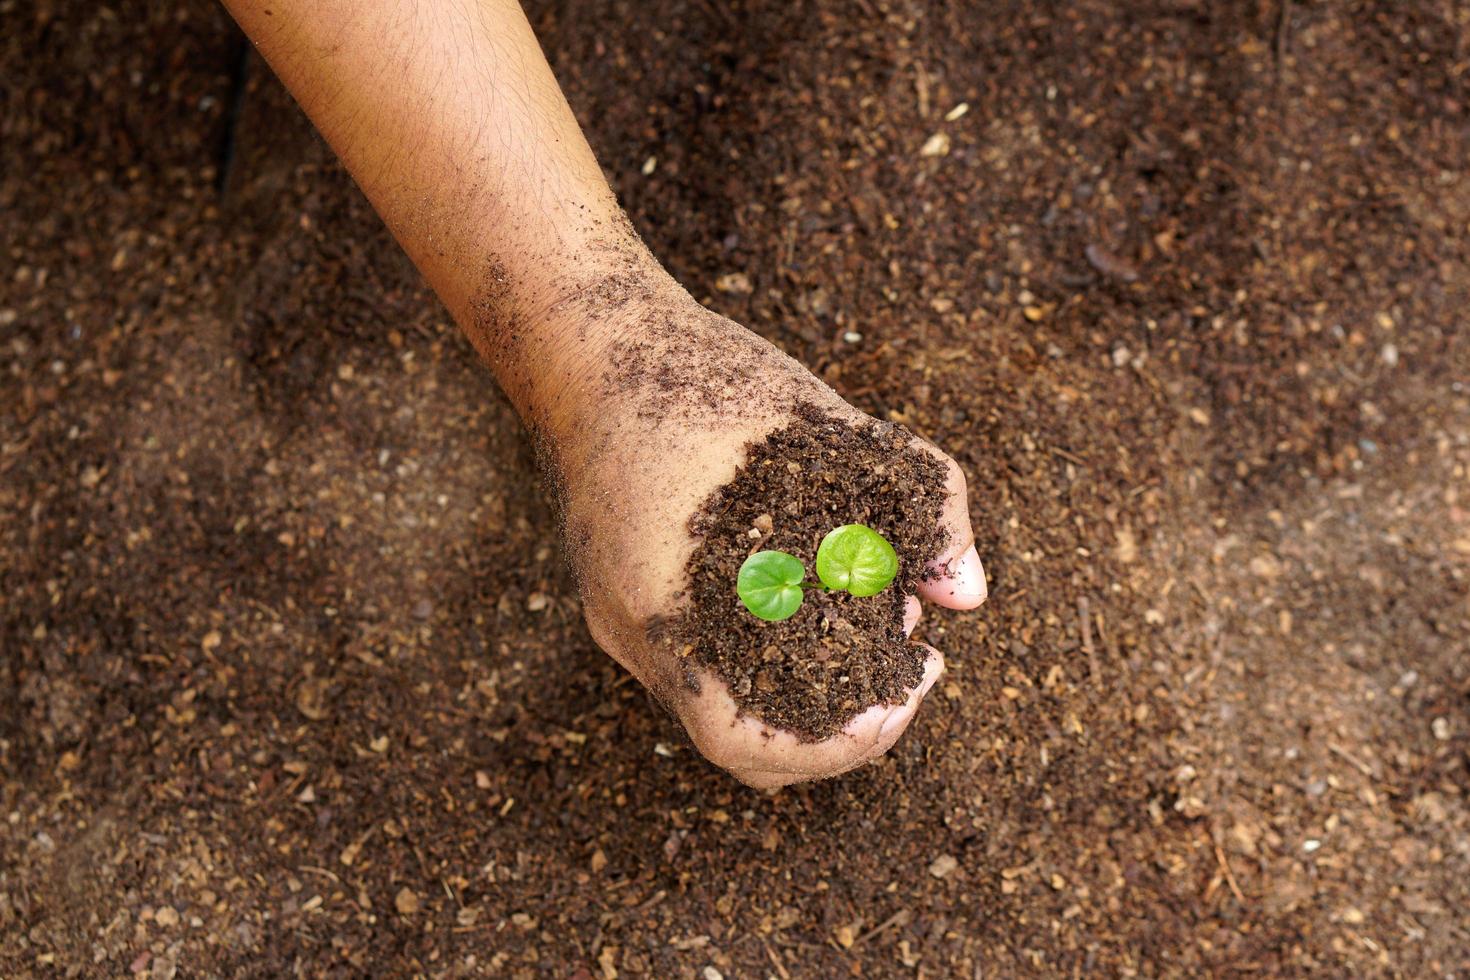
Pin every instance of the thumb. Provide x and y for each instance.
(955, 579)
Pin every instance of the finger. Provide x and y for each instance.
(747, 746)
(862, 740)
(891, 723)
(958, 585)
(955, 579)
(912, 610)
(898, 719)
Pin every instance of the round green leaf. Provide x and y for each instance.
(769, 584)
(856, 558)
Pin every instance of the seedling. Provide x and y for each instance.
(852, 558)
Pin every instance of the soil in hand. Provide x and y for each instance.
(838, 655)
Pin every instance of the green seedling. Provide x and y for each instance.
(770, 584)
(856, 558)
(851, 558)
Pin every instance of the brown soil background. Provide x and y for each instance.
(293, 683)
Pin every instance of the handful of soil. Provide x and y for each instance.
(839, 654)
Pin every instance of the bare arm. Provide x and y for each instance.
(449, 118)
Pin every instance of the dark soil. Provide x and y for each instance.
(838, 655)
(292, 681)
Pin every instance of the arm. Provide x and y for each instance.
(644, 403)
(450, 120)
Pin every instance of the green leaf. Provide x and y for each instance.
(856, 558)
(769, 584)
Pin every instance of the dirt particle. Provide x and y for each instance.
(311, 698)
(737, 283)
(936, 146)
(1109, 263)
(943, 866)
(406, 902)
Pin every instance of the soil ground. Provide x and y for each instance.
(292, 680)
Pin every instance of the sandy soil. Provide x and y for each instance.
(292, 680)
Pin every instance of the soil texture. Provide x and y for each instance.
(292, 681)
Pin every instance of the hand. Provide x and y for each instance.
(678, 408)
(641, 400)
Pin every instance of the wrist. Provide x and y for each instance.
(549, 328)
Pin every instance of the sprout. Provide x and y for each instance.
(856, 558)
(852, 558)
(770, 584)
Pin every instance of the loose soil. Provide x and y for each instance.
(292, 681)
(839, 654)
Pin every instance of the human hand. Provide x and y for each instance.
(680, 407)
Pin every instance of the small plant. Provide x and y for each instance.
(852, 558)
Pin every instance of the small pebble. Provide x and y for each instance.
(936, 146)
(943, 865)
(736, 283)
(406, 901)
(1109, 263)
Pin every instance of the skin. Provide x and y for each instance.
(641, 400)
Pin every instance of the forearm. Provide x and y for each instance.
(449, 118)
